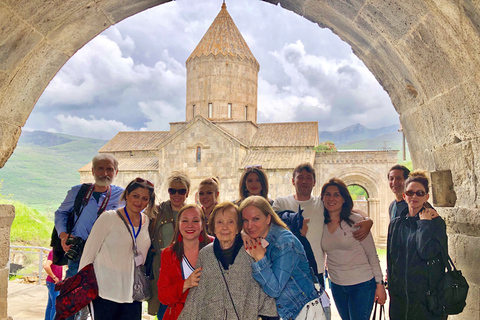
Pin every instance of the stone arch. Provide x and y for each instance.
(373, 183)
(425, 54)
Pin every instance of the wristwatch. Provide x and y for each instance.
(381, 282)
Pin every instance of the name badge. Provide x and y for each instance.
(138, 259)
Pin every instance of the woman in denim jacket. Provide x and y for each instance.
(281, 266)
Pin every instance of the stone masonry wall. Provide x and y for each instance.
(7, 214)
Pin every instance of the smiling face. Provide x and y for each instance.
(207, 195)
(396, 181)
(137, 200)
(304, 182)
(226, 227)
(177, 199)
(253, 184)
(415, 203)
(255, 223)
(333, 200)
(190, 224)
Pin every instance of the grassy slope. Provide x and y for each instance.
(40, 175)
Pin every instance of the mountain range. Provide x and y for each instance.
(45, 165)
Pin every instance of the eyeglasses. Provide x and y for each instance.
(257, 166)
(181, 192)
(419, 193)
(143, 180)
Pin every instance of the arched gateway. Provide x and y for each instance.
(425, 54)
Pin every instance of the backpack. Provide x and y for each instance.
(450, 294)
(59, 258)
(294, 221)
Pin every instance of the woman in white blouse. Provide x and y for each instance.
(109, 248)
(353, 265)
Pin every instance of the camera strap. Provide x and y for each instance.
(85, 200)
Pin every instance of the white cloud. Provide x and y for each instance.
(93, 128)
(160, 113)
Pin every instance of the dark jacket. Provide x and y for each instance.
(412, 243)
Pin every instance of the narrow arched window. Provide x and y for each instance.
(193, 110)
(246, 113)
(229, 111)
(210, 110)
(199, 154)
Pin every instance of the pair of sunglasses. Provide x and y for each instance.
(419, 193)
(140, 180)
(258, 166)
(181, 192)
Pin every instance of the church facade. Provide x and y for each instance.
(220, 135)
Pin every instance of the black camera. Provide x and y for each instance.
(76, 249)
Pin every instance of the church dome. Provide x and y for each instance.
(223, 37)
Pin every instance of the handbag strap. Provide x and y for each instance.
(228, 290)
(382, 311)
(129, 231)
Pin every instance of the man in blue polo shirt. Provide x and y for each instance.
(99, 197)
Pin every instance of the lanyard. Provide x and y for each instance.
(135, 235)
(88, 195)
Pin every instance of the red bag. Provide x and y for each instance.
(76, 292)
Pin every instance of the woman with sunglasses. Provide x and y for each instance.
(109, 248)
(253, 182)
(414, 247)
(162, 228)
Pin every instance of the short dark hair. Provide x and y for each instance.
(307, 167)
(220, 208)
(405, 170)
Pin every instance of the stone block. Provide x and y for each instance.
(9, 135)
(7, 214)
(17, 41)
(79, 27)
(45, 16)
(442, 189)
(3, 293)
(30, 81)
(118, 10)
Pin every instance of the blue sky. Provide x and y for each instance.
(132, 76)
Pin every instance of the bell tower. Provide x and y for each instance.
(222, 75)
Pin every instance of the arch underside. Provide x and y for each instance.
(425, 54)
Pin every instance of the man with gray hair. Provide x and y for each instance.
(96, 198)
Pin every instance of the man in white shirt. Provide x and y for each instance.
(304, 180)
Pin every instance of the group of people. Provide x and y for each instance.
(239, 260)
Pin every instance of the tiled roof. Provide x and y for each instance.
(130, 164)
(286, 134)
(278, 159)
(135, 141)
(223, 37)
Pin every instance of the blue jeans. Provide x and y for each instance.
(355, 302)
(71, 271)
(72, 268)
(52, 294)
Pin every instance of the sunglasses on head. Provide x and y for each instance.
(140, 180)
(181, 192)
(419, 193)
(258, 166)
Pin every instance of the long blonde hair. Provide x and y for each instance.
(264, 206)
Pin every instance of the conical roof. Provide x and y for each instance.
(223, 37)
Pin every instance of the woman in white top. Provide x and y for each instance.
(353, 265)
(109, 248)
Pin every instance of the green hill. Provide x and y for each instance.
(44, 167)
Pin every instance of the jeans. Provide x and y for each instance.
(52, 294)
(355, 302)
(71, 271)
(72, 268)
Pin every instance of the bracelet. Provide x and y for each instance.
(381, 282)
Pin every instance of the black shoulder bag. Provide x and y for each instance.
(450, 294)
